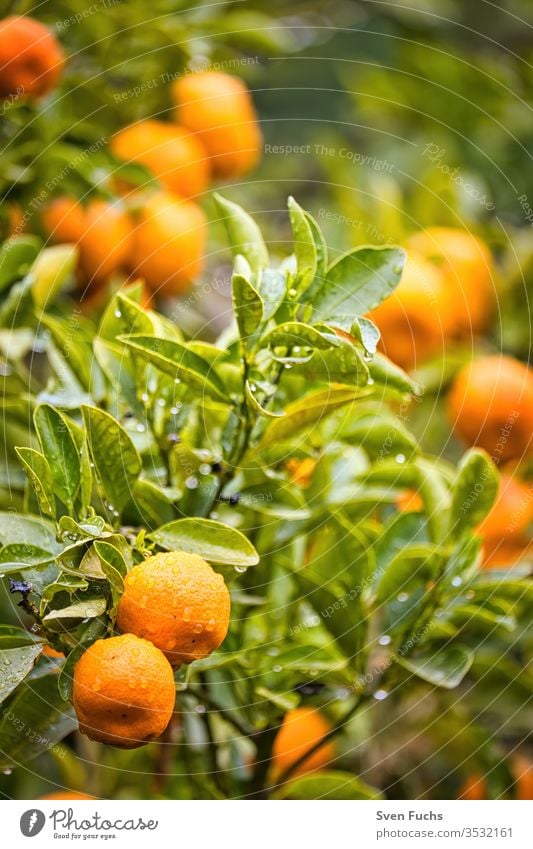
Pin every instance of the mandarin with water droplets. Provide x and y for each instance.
(178, 602)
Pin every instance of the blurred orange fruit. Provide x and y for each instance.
(106, 242)
(64, 220)
(301, 729)
(123, 691)
(170, 152)
(66, 795)
(414, 321)
(466, 264)
(301, 471)
(31, 58)
(491, 405)
(219, 109)
(168, 244)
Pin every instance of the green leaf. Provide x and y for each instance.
(292, 333)
(304, 244)
(243, 234)
(94, 629)
(328, 784)
(178, 361)
(51, 270)
(60, 450)
(272, 287)
(66, 617)
(12, 637)
(388, 374)
(34, 721)
(40, 475)
(366, 332)
(358, 281)
(214, 541)
(474, 491)
(446, 668)
(247, 305)
(15, 664)
(28, 530)
(309, 411)
(114, 455)
(414, 565)
(16, 557)
(16, 257)
(342, 364)
(255, 405)
(114, 568)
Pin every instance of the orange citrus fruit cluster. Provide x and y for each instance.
(31, 58)
(445, 293)
(475, 786)
(160, 235)
(175, 609)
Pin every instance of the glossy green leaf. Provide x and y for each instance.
(67, 617)
(178, 361)
(114, 455)
(328, 784)
(304, 244)
(474, 491)
(15, 664)
(214, 541)
(358, 281)
(29, 530)
(39, 473)
(445, 668)
(17, 557)
(34, 721)
(52, 269)
(60, 450)
(243, 233)
(247, 305)
(292, 333)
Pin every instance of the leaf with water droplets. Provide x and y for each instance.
(15, 663)
(214, 541)
(40, 476)
(114, 455)
(60, 450)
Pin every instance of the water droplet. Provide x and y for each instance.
(204, 468)
(379, 695)
(144, 685)
(171, 644)
(288, 365)
(118, 314)
(145, 397)
(370, 382)
(240, 569)
(177, 380)
(186, 614)
(174, 410)
(456, 582)
(198, 628)
(200, 708)
(292, 293)
(7, 771)
(397, 269)
(385, 640)
(210, 625)
(276, 668)
(191, 482)
(367, 356)
(140, 428)
(400, 458)
(402, 597)
(161, 402)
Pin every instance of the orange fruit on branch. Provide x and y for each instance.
(123, 691)
(170, 152)
(218, 108)
(168, 244)
(177, 601)
(64, 220)
(31, 58)
(301, 729)
(106, 243)
(491, 405)
(466, 264)
(67, 795)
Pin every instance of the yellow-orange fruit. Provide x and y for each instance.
(301, 471)
(409, 501)
(474, 788)
(170, 152)
(522, 769)
(219, 109)
(50, 651)
(66, 795)
(177, 601)
(64, 220)
(301, 729)
(467, 266)
(123, 691)
(106, 242)
(414, 321)
(168, 244)
(491, 405)
(31, 58)
(512, 511)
